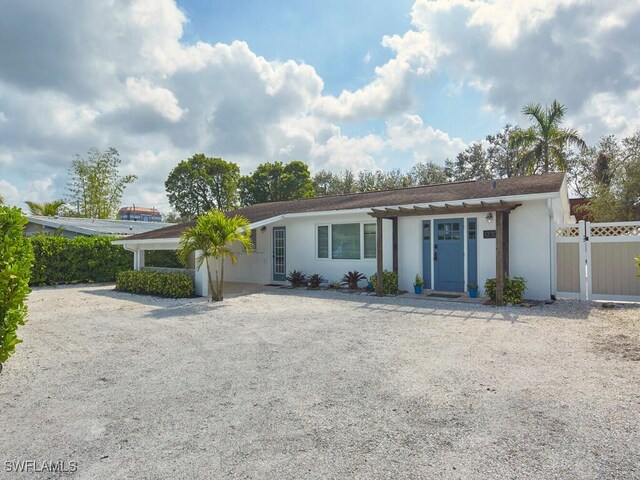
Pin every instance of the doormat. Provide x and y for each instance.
(444, 295)
(273, 285)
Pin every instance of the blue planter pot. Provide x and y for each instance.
(473, 293)
(418, 289)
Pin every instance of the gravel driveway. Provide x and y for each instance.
(285, 384)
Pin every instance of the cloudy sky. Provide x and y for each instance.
(335, 83)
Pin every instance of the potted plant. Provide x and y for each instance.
(473, 289)
(418, 284)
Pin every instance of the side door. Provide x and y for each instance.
(279, 254)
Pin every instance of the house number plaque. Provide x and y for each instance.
(489, 234)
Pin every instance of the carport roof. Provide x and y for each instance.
(444, 192)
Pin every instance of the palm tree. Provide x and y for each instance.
(215, 234)
(544, 142)
(46, 209)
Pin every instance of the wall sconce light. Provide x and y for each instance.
(489, 217)
(263, 228)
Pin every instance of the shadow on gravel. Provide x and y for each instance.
(561, 309)
(165, 307)
(143, 299)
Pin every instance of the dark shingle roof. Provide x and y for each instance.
(444, 192)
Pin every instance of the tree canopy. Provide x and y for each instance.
(609, 174)
(329, 183)
(47, 209)
(545, 142)
(272, 182)
(95, 185)
(201, 183)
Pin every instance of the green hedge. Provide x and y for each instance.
(513, 289)
(172, 285)
(162, 258)
(77, 260)
(16, 257)
(389, 282)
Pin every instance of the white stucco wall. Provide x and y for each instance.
(530, 248)
(301, 250)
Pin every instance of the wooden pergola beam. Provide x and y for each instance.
(482, 207)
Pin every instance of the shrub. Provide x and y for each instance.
(351, 279)
(418, 281)
(172, 285)
(75, 260)
(335, 285)
(16, 258)
(389, 282)
(297, 279)
(513, 289)
(162, 258)
(315, 280)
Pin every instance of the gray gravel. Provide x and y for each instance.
(297, 384)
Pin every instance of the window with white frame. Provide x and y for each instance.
(370, 239)
(323, 241)
(346, 241)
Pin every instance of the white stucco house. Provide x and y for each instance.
(451, 234)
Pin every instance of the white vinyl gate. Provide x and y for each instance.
(596, 261)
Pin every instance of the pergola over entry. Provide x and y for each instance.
(501, 209)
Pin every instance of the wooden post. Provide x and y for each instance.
(395, 244)
(500, 273)
(505, 242)
(380, 274)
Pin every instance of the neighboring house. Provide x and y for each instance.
(450, 234)
(139, 214)
(72, 227)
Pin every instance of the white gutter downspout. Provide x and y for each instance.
(552, 251)
(135, 255)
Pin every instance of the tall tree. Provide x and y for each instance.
(592, 166)
(470, 164)
(427, 173)
(95, 185)
(272, 182)
(502, 156)
(215, 235)
(615, 182)
(47, 209)
(545, 142)
(323, 183)
(201, 183)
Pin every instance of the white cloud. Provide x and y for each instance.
(6, 159)
(133, 83)
(576, 51)
(388, 94)
(409, 133)
(9, 193)
(160, 99)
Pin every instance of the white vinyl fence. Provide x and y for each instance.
(596, 261)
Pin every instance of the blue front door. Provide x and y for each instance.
(448, 255)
